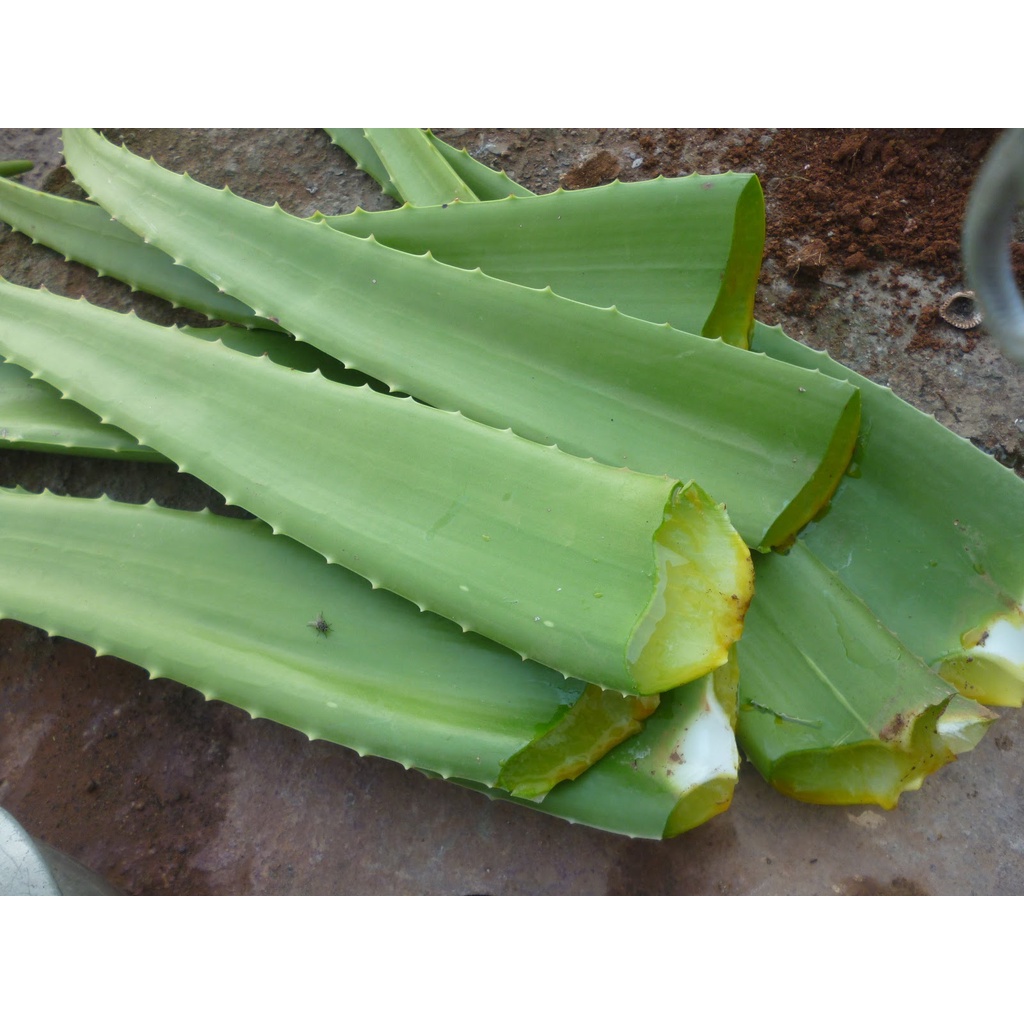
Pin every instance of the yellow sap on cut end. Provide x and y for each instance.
(705, 581)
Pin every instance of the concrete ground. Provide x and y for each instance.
(160, 792)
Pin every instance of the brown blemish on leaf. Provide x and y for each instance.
(893, 728)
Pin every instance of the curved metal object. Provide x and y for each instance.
(31, 868)
(988, 226)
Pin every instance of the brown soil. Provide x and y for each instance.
(161, 792)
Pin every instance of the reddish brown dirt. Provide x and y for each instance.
(863, 196)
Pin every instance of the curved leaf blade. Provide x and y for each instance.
(565, 560)
(85, 233)
(593, 381)
(929, 532)
(227, 608)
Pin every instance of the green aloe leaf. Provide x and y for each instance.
(482, 181)
(593, 381)
(85, 233)
(224, 606)
(356, 144)
(416, 168)
(34, 418)
(797, 678)
(833, 708)
(485, 183)
(929, 532)
(630, 581)
(186, 595)
(683, 251)
(674, 775)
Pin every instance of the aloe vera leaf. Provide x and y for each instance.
(9, 168)
(280, 348)
(822, 772)
(679, 258)
(684, 251)
(227, 608)
(825, 772)
(85, 233)
(593, 381)
(355, 143)
(416, 168)
(34, 417)
(482, 181)
(487, 184)
(630, 581)
(680, 250)
(674, 775)
(833, 708)
(940, 564)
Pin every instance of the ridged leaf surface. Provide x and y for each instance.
(929, 532)
(684, 251)
(84, 232)
(674, 775)
(546, 553)
(224, 606)
(594, 381)
(416, 168)
(833, 708)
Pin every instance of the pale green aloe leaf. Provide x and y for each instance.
(224, 606)
(683, 251)
(85, 233)
(281, 349)
(34, 417)
(674, 775)
(355, 143)
(482, 181)
(790, 654)
(630, 581)
(487, 184)
(666, 252)
(833, 708)
(593, 381)
(929, 532)
(416, 168)
(797, 679)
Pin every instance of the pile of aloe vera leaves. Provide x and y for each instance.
(590, 452)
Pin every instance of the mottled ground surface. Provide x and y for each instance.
(163, 793)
